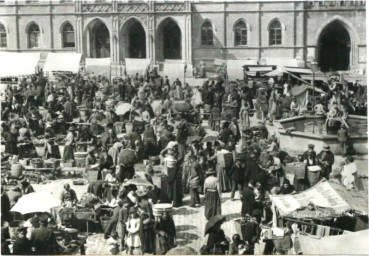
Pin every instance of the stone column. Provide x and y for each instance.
(150, 47)
(115, 68)
(79, 36)
(188, 40)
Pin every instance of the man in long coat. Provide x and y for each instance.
(325, 160)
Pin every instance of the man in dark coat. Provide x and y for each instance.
(237, 177)
(248, 199)
(326, 160)
(310, 149)
(22, 246)
(44, 238)
(113, 220)
(254, 172)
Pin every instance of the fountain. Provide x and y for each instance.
(296, 133)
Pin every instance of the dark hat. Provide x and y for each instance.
(327, 147)
(21, 229)
(44, 219)
(22, 179)
(311, 145)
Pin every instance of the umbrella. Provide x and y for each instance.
(209, 138)
(138, 182)
(35, 202)
(123, 108)
(182, 250)
(212, 222)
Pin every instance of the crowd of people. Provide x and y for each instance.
(231, 155)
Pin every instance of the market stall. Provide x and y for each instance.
(18, 64)
(62, 62)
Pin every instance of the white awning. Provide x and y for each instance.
(299, 70)
(97, 62)
(67, 62)
(174, 69)
(134, 66)
(18, 64)
(283, 62)
(260, 69)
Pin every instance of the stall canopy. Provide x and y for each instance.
(134, 66)
(352, 77)
(234, 68)
(283, 62)
(347, 243)
(324, 194)
(18, 64)
(280, 71)
(99, 66)
(65, 62)
(174, 69)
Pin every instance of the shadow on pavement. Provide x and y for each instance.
(184, 211)
(181, 228)
(186, 238)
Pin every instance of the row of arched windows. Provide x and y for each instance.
(34, 36)
(240, 33)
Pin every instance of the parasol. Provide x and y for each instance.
(213, 221)
(138, 182)
(209, 138)
(35, 202)
(123, 108)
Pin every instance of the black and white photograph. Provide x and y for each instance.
(184, 127)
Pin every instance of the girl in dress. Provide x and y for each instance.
(133, 228)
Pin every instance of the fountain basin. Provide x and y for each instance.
(313, 130)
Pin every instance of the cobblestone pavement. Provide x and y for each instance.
(190, 225)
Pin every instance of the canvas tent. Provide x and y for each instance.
(324, 194)
(347, 243)
(302, 94)
(174, 69)
(18, 64)
(134, 66)
(65, 62)
(99, 66)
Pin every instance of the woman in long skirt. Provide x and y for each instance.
(224, 181)
(68, 149)
(212, 195)
(244, 115)
(147, 217)
(165, 232)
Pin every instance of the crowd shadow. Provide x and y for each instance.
(182, 228)
(185, 238)
(185, 211)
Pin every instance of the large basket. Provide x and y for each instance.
(92, 175)
(37, 163)
(40, 149)
(159, 209)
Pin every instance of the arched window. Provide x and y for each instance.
(3, 41)
(68, 36)
(275, 33)
(207, 33)
(34, 36)
(240, 33)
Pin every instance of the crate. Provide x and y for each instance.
(84, 214)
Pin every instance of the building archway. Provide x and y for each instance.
(335, 48)
(134, 39)
(169, 40)
(98, 40)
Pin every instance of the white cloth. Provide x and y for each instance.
(348, 177)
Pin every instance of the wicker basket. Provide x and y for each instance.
(40, 149)
(37, 163)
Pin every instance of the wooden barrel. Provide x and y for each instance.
(313, 175)
(80, 158)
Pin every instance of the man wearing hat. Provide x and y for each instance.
(22, 246)
(310, 151)
(235, 129)
(69, 144)
(213, 194)
(25, 185)
(326, 160)
(44, 238)
(342, 139)
(237, 175)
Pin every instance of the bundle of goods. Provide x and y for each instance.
(128, 157)
(225, 158)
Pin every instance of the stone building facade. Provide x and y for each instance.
(330, 32)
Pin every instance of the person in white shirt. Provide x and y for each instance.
(349, 171)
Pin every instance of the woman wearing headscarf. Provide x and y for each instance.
(165, 232)
(216, 241)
